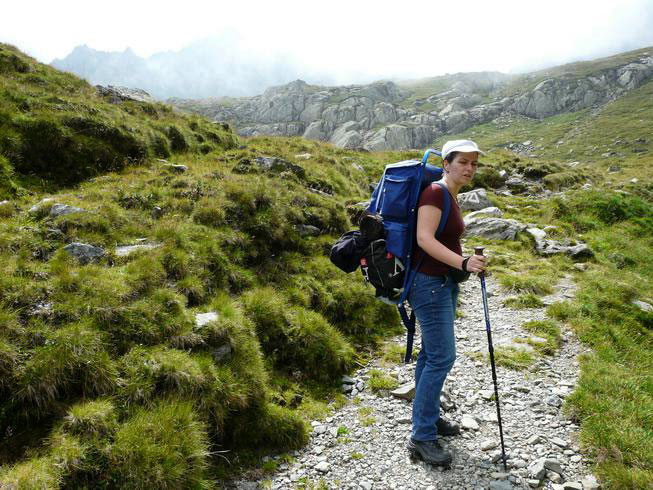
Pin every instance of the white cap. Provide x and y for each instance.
(459, 145)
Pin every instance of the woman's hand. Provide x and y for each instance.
(476, 263)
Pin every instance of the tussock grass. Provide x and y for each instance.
(379, 382)
(297, 338)
(165, 447)
(523, 301)
(511, 358)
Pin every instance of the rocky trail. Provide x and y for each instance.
(362, 445)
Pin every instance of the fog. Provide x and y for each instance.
(192, 49)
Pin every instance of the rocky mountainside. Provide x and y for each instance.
(387, 115)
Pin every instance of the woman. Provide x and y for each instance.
(433, 298)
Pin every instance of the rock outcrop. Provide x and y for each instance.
(384, 115)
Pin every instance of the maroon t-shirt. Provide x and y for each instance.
(433, 195)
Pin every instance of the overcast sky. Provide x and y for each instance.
(352, 39)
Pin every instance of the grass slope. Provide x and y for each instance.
(104, 374)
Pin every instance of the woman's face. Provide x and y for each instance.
(463, 167)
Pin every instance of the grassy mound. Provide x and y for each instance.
(57, 127)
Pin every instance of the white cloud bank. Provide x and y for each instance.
(354, 40)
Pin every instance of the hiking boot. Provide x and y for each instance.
(446, 428)
(429, 451)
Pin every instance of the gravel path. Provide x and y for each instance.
(362, 445)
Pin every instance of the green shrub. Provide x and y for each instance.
(176, 263)
(270, 426)
(8, 359)
(209, 212)
(488, 178)
(528, 300)
(91, 419)
(161, 146)
(150, 320)
(35, 473)
(296, 338)
(526, 283)
(145, 274)
(560, 180)
(74, 360)
(381, 382)
(7, 186)
(177, 139)
(165, 447)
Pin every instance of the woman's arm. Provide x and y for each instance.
(428, 219)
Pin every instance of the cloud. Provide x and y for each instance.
(352, 40)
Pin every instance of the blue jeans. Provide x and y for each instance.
(433, 299)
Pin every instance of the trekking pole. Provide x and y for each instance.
(479, 251)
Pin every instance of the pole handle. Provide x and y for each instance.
(478, 250)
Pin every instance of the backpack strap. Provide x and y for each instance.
(409, 321)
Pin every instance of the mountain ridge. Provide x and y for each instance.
(386, 115)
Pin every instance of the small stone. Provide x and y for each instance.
(497, 475)
(553, 465)
(501, 485)
(534, 439)
(320, 429)
(405, 391)
(303, 156)
(469, 423)
(486, 394)
(643, 305)
(404, 420)
(157, 212)
(348, 380)
(559, 442)
(533, 483)
(590, 483)
(202, 319)
(554, 401)
(554, 477)
(576, 458)
(178, 169)
(572, 485)
(536, 469)
(64, 209)
(488, 444)
(580, 266)
(322, 467)
(84, 252)
(365, 485)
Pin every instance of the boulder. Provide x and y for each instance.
(63, 209)
(174, 168)
(577, 252)
(493, 228)
(347, 136)
(487, 212)
(271, 164)
(84, 252)
(124, 250)
(308, 230)
(116, 94)
(405, 392)
(474, 200)
(643, 305)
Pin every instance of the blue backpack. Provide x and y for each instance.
(395, 199)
